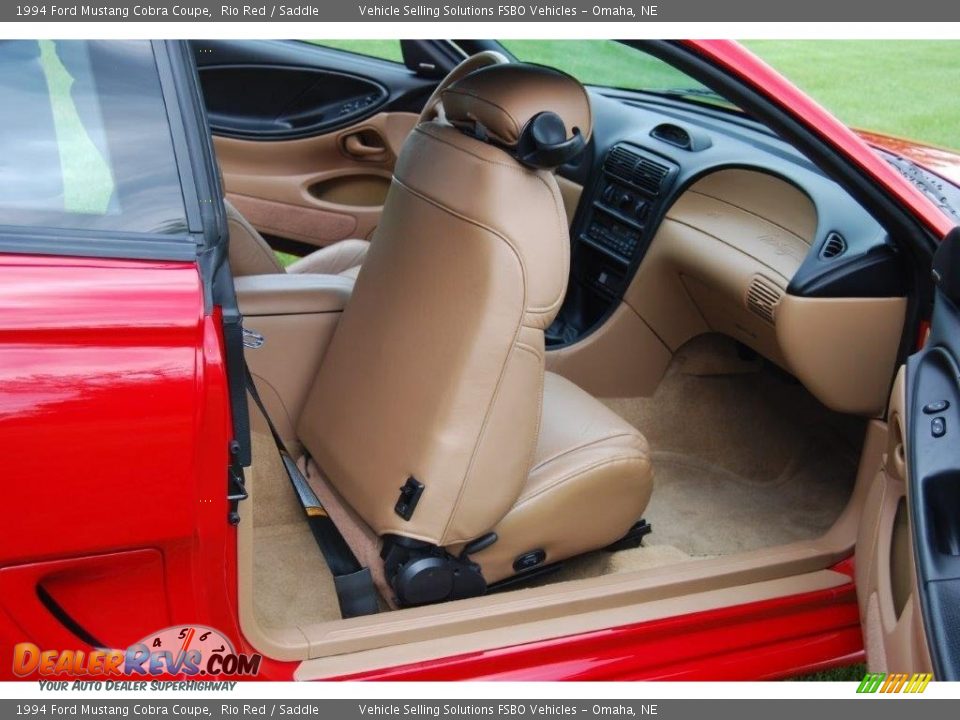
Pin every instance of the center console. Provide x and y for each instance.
(610, 235)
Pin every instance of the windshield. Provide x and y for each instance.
(608, 63)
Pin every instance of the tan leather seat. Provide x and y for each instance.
(435, 376)
(251, 255)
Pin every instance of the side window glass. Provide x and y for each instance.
(85, 142)
(380, 49)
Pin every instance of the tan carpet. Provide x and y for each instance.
(706, 510)
(291, 583)
(743, 456)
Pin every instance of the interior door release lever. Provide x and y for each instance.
(359, 145)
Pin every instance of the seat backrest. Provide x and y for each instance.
(436, 368)
(249, 253)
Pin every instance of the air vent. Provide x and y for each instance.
(645, 174)
(621, 162)
(673, 134)
(763, 297)
(834, 246)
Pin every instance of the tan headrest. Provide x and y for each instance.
(503, 98)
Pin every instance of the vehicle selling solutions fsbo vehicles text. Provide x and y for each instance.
(491, 709)
(532, 11)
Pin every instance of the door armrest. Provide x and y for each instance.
(280, 294)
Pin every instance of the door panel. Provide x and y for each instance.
(908, 547)
(885, 573)
(307, 136)
(268, 101)
(315, 190)
(933, 414)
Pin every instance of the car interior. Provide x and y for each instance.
(553, 357)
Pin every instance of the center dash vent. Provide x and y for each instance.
(642, 172)
(673, 134)
(763, 297)
(833, 246)
(694, 140)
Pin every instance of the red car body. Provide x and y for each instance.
(112, 379)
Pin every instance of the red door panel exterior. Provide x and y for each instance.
(114, 424)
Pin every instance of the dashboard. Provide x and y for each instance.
(697, 220)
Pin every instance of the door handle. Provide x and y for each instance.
(895, 459)
(364, 145)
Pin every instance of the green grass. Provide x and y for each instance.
(900, 87)
(286, 259)
(87, 178)
(907, 88)
(850, 673)
(385, 49)
(601, 62)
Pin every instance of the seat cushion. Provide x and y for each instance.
(590, 481)
(340, 258)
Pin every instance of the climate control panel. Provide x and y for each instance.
(631, 184)
(631, 203)
(614, 226)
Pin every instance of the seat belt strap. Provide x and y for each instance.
(354, 584)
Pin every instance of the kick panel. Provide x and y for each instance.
(885, 570)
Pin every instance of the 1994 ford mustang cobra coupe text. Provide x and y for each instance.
(564, 381)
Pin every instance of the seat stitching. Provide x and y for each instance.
(584, 446)
(524, 499)
(425, 130)
(476, 447)
(503, 366)
(487, 101)
(529, 348)
(554, 195)
(450, 211)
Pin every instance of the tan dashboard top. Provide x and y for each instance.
(760, 215)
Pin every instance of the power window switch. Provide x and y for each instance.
(938, 427)
(935, 407)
